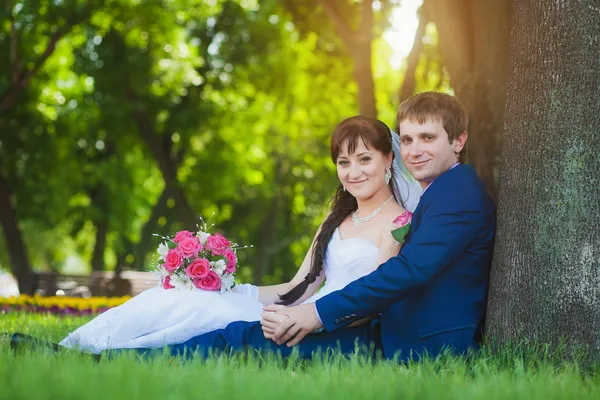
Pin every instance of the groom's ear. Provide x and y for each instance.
(460, 141)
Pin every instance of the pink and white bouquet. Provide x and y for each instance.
(196, 260)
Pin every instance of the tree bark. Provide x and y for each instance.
(545, 278)
(19, 259)
(474, 41)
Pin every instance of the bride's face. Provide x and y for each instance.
(363, 172)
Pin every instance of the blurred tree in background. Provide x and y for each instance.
(123, 118)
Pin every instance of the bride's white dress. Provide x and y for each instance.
(159, 317)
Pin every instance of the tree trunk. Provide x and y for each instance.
(100, 245)
(359, 45)
(363, 75)
(19, 260)
(167, 166)
(142, 247)
(474, 40)
(268, 232)
(545, 280)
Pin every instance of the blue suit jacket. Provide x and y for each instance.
(433, 294)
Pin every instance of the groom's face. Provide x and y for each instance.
(426, 151)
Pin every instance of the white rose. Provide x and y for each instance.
(179, 282)
(160, 272)
(163, 249)
(218, 266)
(202, 236)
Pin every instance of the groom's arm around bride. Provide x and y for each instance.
(433, 294)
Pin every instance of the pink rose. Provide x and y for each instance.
(231, 261)
(182, 235)
(198, 268)
(403, 219)
(173, 260)
(190, 246)
(217, 244)
(210, 282)
(167, 283)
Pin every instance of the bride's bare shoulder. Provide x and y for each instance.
(396, 210)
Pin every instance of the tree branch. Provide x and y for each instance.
(347, 35)
(20, 79)
(366, 22)
(409, 84)
(14, 61)
(454, 25)
(162, 157)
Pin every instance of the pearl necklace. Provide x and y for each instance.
(357, 221)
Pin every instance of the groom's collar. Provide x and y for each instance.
(427, 187)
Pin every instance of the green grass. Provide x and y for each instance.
(511, 374)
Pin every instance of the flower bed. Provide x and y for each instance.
(60, 305)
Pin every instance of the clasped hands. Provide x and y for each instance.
(289, 324)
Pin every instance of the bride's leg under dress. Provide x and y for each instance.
(159, 317)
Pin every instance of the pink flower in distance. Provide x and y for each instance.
(210, 282)
(182, 235)
(231, 261)
(403, 219)
(198, 268)
(189, 246)
(173, 260)
(217, 244)
(167, 283)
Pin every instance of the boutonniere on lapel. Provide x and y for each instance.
(402, 222)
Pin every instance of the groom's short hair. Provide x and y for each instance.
(436, 106)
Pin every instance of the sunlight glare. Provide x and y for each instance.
(400, 36)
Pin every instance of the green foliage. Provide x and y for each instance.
(237, 98)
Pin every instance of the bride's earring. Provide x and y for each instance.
(344, 188)
(388, 176)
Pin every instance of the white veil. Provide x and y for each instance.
(407, 188)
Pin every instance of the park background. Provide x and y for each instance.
(124, 118)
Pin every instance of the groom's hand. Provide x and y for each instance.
(301, 320)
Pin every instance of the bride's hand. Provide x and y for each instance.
(270, 321)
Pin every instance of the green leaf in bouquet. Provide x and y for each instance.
(171, 244)
(217, 258)
(400, 233)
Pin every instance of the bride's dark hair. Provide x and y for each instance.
(373, 133)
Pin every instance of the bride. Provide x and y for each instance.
(354, 239)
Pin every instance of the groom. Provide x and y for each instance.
(432, 295)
